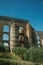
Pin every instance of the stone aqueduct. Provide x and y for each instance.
(20, 33)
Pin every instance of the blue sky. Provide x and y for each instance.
(31, 10)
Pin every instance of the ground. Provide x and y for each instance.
(9, 57)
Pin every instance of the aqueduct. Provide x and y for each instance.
(17, 32)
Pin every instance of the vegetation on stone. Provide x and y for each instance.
(21, 56)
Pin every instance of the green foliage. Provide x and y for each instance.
(13, 62)
(26, 55)
(8, 58)
(19, 50)
(32, 54)
(2, 49)
(8, 55)
(36, 54)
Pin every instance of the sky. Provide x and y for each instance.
(31, 10)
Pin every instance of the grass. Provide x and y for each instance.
(22, 56)
(9, 58)
(12, 59)
(8, 55)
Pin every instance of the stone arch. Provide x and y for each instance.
(10, 23)
(5, 37)
(38, 37)
(38, 40)
(6, 44)
(20, 29)
(6, 28)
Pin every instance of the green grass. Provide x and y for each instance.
(12, 59)
(22, 56)
(9, 58)
(32, 54)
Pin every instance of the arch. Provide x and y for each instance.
(20, 29)
(38, 41)
(39, 46)
(6, 28)
(38, 37)
(5, 37)
(6, 44)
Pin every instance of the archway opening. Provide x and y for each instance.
(20, 29)
(6, 46)
(5, 37)
(38, 40)
(5, 28)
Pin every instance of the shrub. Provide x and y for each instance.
(19, 51)
(36, 54)
(2, 49)
(32, 54)
(8, 55)
(13, 62)
(26, 55)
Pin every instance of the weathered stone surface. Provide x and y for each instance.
(21, 33)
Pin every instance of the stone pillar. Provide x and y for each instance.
(27, 30)
(41, 40)
(14, 34)
(1, 34)
(28, 34)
